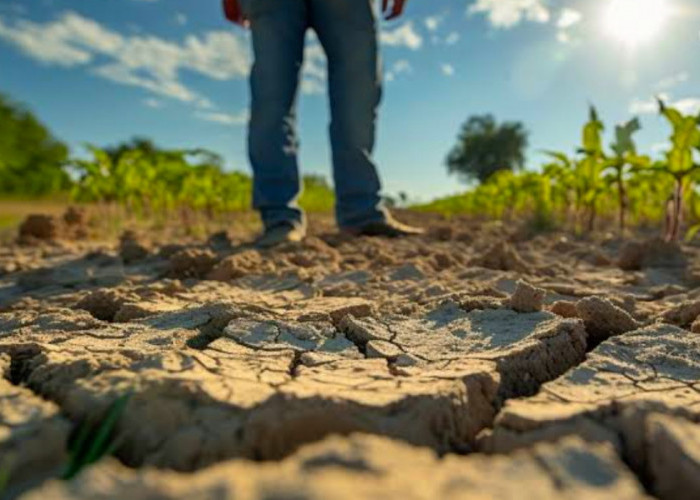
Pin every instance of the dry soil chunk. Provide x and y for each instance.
(527, 298)
(105, 304)
(131, 249)
(674, 448)
(656, 252)
(564, 308)
(372, 467)
(655, 369)
(695, 327)
(502, 257)
(38, 228)
(683, 315)
(527, 348)
(603, 319)
(192, 263)
(247, 394)
(239, 265)
(33, 435)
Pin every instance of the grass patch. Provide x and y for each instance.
(93, 441)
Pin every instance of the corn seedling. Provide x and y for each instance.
(92, 442)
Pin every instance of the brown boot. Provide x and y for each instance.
(389, 228)
(278, 235)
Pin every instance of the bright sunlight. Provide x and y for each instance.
(634, 22)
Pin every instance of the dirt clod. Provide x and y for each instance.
(656, 252)
(527, 298)
(603, 319)
(37, 228)
(192, 263)
(503, 257)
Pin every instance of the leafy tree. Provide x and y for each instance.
(31, 158)
(485, 147)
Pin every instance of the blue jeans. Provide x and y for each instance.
(347, 31)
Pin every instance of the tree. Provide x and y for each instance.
(485, 147)
(31, 158)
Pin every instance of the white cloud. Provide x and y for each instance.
(508, 13)
(153, 103)
(225, 118)
(147, 62)
(447, 69)
(400, 67)
(686, 105)
(60, 43)
(404, 36)
(433, 22)
(673, 81)
(314, 72)
(452, 38)
(568, 17)
(646, 106)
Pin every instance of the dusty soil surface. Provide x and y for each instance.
(475, 361)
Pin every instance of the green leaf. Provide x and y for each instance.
(624, 143)
(93, 443)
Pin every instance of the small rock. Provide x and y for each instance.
(683, 315)
(239, 265)
(192, 263)
(409, 272)
(481, 302)
(603, 319)
(564, 308)
(220, 241)
(527, 298)
(130, 249)
(382, 349)
(405, 360)
(674, 449)
(167, 251)
(356, 310)
(442, 233)
(695, 327)
(38, 228)
(656, 252)
(104, 304)
(75, 216)
(502, 257)
(442, 261)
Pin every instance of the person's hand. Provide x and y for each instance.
(392, 8)
(234, 13)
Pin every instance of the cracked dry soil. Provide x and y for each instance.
(474, 362)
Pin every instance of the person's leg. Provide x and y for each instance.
(348, 32)
(278, 31)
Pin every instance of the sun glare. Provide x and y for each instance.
(634, 22)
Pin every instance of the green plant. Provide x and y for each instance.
(5, 472)
(624, 158)
(93, 441)
(679, 163)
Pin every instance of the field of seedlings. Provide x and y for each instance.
(542, 337)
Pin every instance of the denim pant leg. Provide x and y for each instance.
(347, 29)
(278, 32)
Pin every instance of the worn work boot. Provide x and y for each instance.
(279, 234)
(389, 228)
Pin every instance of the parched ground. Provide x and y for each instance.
(474, 362)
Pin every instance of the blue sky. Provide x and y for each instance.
(101, 71)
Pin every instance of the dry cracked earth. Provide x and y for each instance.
(473, 362)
